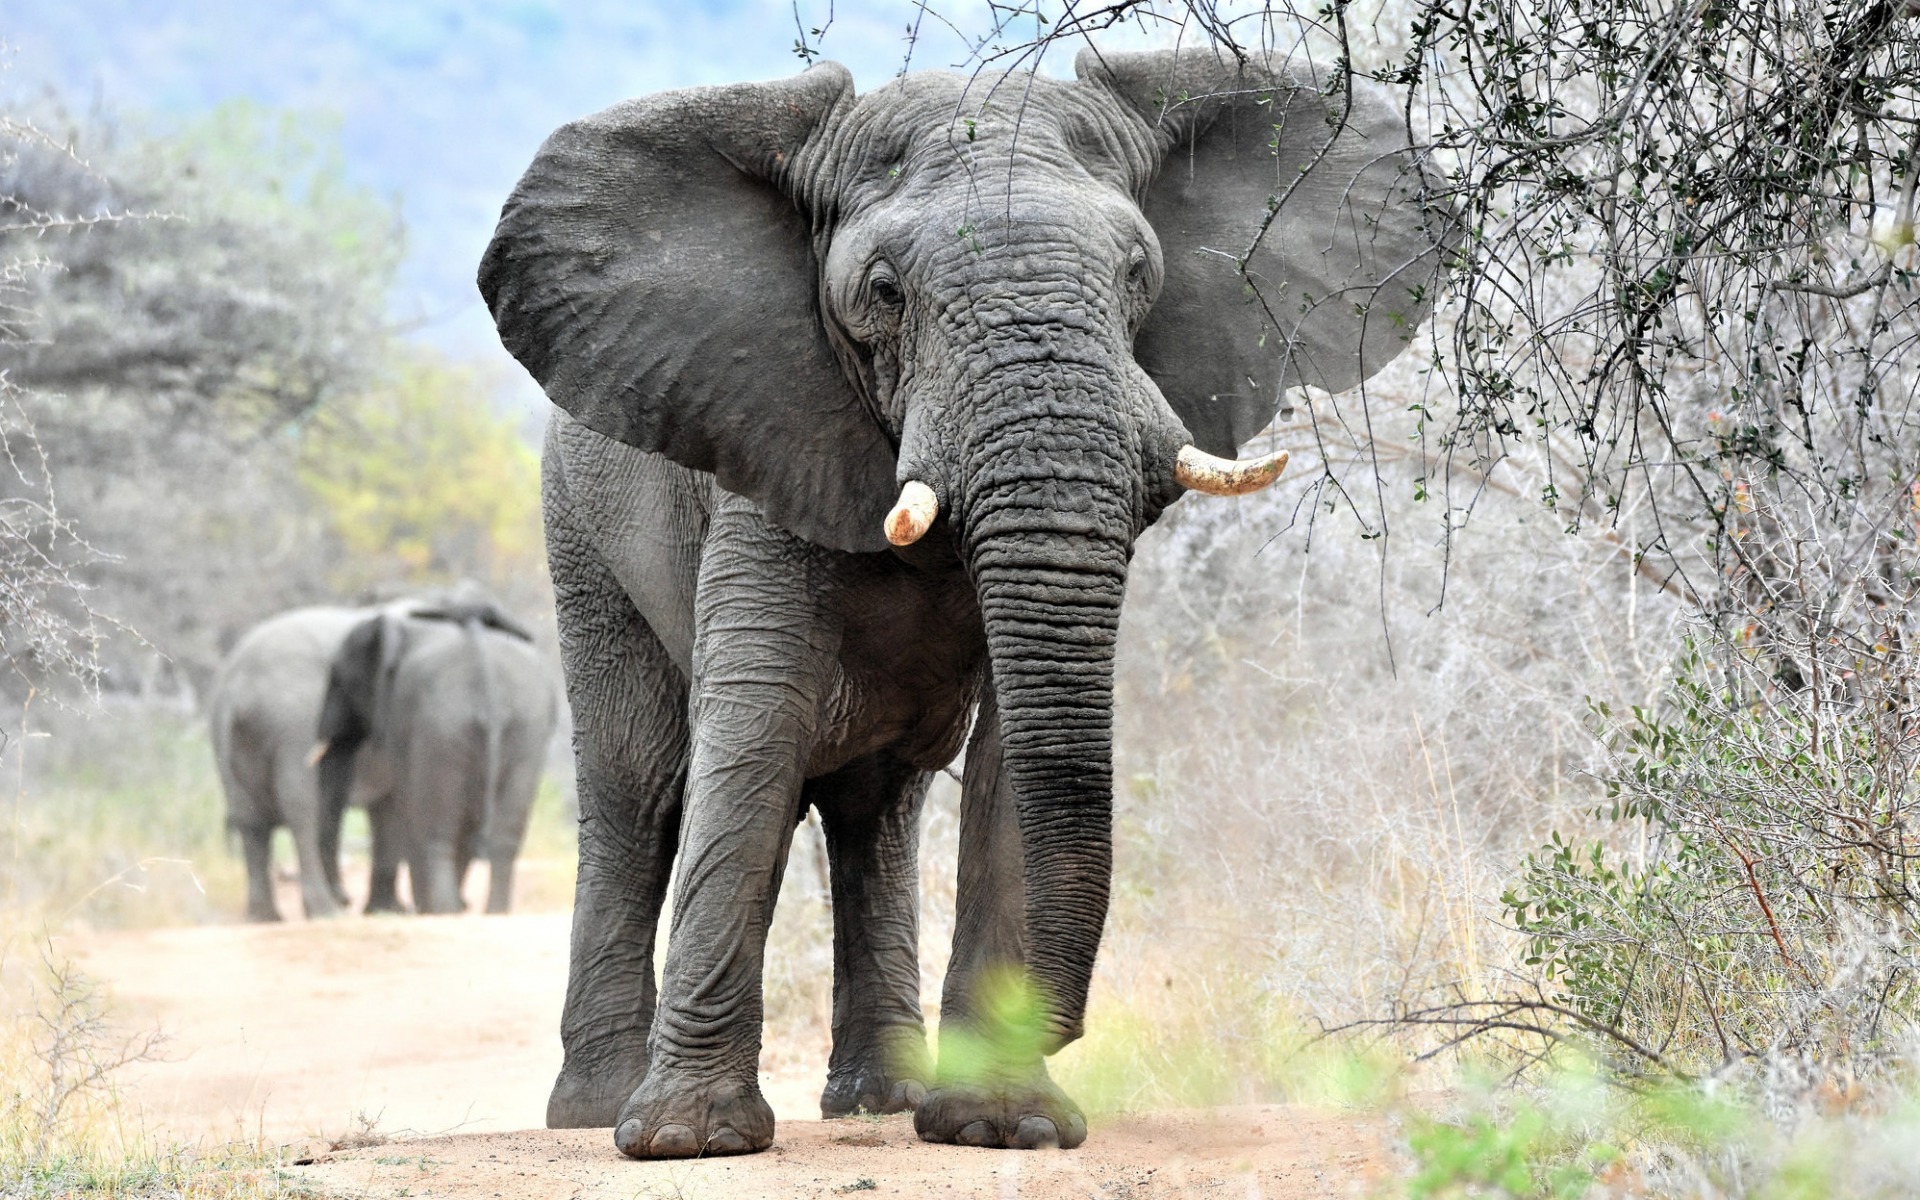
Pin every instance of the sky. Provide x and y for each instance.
(442, 103)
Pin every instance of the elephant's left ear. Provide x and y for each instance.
(654, 272)
(1344, 272)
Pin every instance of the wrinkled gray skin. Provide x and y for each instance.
(765, 308)
(264, 708)
(451, 706)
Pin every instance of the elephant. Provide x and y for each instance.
(862, 401)
(265, 712)
(264, 707)
(451, 705)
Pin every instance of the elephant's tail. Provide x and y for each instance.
(491, 719)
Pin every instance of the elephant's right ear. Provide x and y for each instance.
(656, 275)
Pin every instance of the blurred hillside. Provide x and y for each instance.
(207, 404)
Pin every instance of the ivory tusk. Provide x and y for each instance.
(1202, 472)
(318, 752)
(913, 515)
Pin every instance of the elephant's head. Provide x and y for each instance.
(1005, 314)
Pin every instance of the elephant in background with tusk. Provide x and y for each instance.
(266, 711)
(864, 400)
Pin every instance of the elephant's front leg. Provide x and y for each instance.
(630, 750)
(992, 1086)
(871, 813)
(763, 662)
(702, 1095)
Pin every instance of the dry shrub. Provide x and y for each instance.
(117, 821)
(1326, 772)
(63, 1130)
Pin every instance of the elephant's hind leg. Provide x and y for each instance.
(256, 844)
(518, 788)
(870, 811)
(630, 749)
(383, 887)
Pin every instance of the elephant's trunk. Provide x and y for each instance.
(1048, 532)
(1051, 646)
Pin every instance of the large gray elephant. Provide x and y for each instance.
(866, 399)
(449, 704)
(266, 714)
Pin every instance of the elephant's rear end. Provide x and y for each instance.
(475, 710)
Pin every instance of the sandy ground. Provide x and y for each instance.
(440, 1035)
(1268, 1153)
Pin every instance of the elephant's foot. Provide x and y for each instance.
(320, 906)
(383, 891)
(1028, 1113)
(262, 911)
(890, 1077)
(874, 1090)
(591, 1100)
(676, 1114)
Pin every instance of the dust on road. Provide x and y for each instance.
(1254, 1153)
(441, 1034)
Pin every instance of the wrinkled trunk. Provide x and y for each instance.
(1053, 677)
(1048, 538)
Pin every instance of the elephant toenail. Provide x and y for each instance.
(1037, 1133)
(674, 1141)
(727, 1140)
(630, 1138)
(908, 1095)
(1074, 1132)
(976, 1133)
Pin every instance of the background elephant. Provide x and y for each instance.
(451, 705)
(769, 310)
(264, 709)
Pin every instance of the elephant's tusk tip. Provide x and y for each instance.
(318, 752)
(1203, 472)
(913, 515)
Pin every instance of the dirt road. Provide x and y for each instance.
(441, 1035)
(1264, 1153)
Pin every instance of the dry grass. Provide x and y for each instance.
(115, 820)
(63, 1128)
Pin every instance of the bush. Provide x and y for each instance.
(1763, 907)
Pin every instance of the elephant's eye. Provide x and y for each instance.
(1137, 265)
(886, 291)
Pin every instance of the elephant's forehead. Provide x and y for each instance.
(921, 128)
